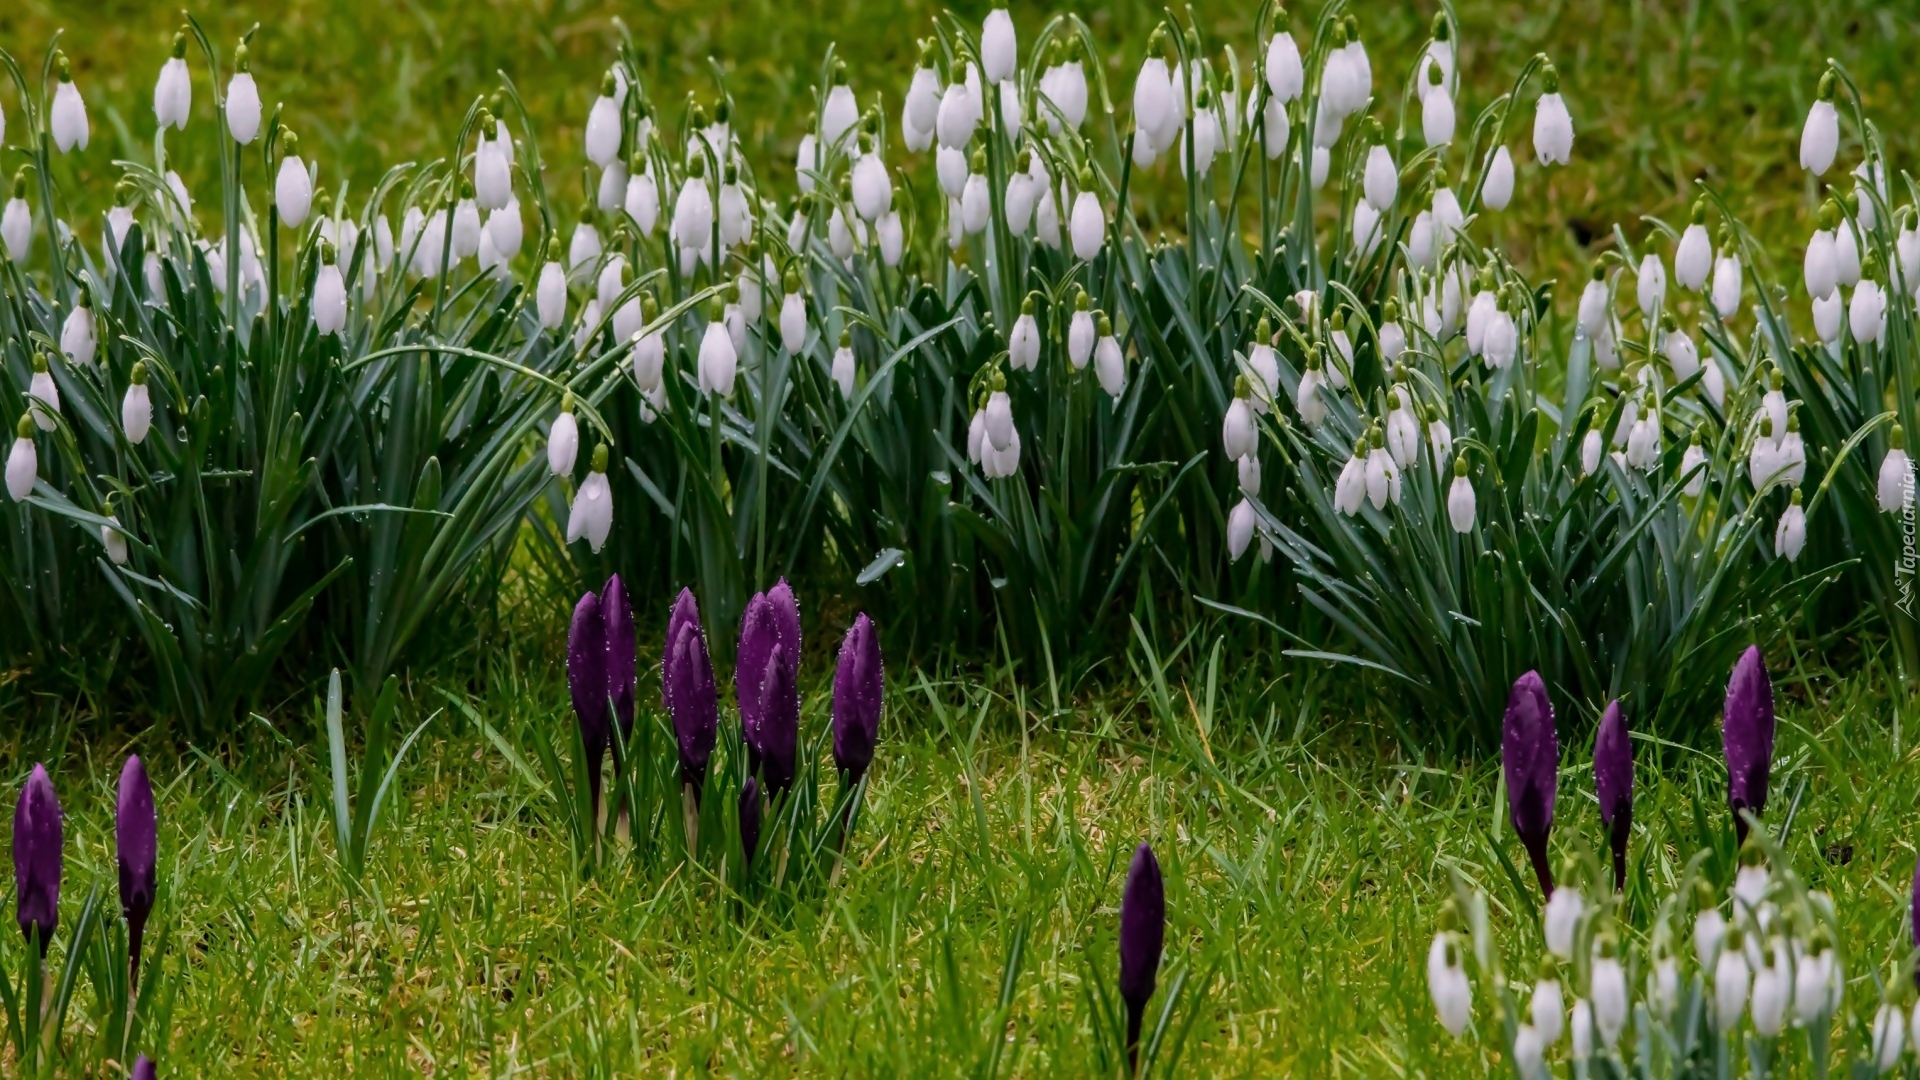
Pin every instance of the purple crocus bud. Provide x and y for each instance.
(685, 612)
(587, 679)
(779, 723)
(692, 701)
(758, 636)
(617, 610)
(749, 820)
(143, 1068)
(858, 690)
(37, 844)
(1530, 756)
(1613, 782)
(1143, 930)
(786, 620)
(137, 843)
(1748, 733)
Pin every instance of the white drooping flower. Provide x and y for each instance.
(293, 186)
(173, 90)
(649, 351)
(892, 237)
(1502, 341)
(1439, 437)
(1448, 217)
(1867, 312)
(23, 462)
(1080, 334)
(1693, 258)
(329, 295)
(693, 211)
(592, 514)
(1249, 470)
(976, 205)
(999, 51)
(1307, 399)
(67, 118)
(243, 101)
(1275, 127)
(1828, 316)
(1643, 441)
(77, 335)
(1896, 473)
(1237, 433)
(1726, 284)
(492, 176)
(921, 109)
(1591, 447)
(1497, 192)
(1582, 1029)
(1154, 109)
(793, 316)
(1889, 1036)
(45, 394)
(603, 122)
(1729, 986)
(136, 408)
(719, 361)
(114, 540)
(950, 167)
(1789, 536)
(1846, 255)
(872, 190)
(1695, 457)
(1381, 181)
(1403, 430)
(1683, 356)
(1322, 162)
(958, 115)
(506, 230)
(1608, 981)
(1207, 140)
(563, 440)
(1023, 341)
(1447, 983)
(1529, 1053)
(1240, 524)
(735, 213)
(1286, 75)
(1548, 1008)
(840, 113)
(1773, 982)
(1820, 269)
(1109, 363)
(550, 296)
(1460, 512)
(1907, 248)
(1651, 289)
(1383, 476)
(466, 230)
(1552, 125)
(16, 222)
(843, 367)
(1366, 228)
(1088, 226)
(999, 411)
(1820, 138)
(1350, 490)
(1562, 915)
(1437, 117)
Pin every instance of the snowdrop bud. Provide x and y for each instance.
(1275, 127)
(1729, 983)
(506, 230)
(492, 178)
(1593, 302)
(1693, 459)
(1726, 278)
(1694, 257)
(1867, 311)
(1439, 437)
(1154, 109)
(77, 337)
(23, 464)
(1109, 363)
(793, 315)
(649, 349)
(1237, 434)
(466, 224)
(68, 116)
(958, 115)
(1907, 247)
(1286, 75)
(718, 362)
(1322, 161)
(892, 236)
(872, 190)
(999, 53)
(1552, 126)
(1240, 523)
(1436, 109)
(1080, 333)
(1249, 468)
(1023, 342)
(563, 440)
(1652, 288)
(1828, 315)
(603, 124)
(243, 100)
(843, 365)
(642, 198)
(1447, 980)
(173, 91)
(550, 296)
(1502, 341)
(1548, 1008)
(1609, 988)
(1089, 224)
(1448, 219)
(841, 112)
(1681, 353)
(1350, 490)
(293, 187)
(45, 394)
(1562, 913)
(113, 539)
(1896, 473)
(1460, 510)
(1392, 336)
(592, 513)
(1846, 254)
(1383, 476)
(1821, 266)
(1590, 448)
(693, 210)
(1000, 432)
(16, 222)
(1497, 192)
(1820, 138)
(1643, 441)
(136, 409)
(1790, 535)
(329, 300)
(1306, 399)
(922, 109)
(1889, 1036)
(975, 201)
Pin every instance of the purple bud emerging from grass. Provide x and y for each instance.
(859, 687)
(779, 722)
(685, 613)
(37, 845)
(758, 637)
(1613, 782)
(587, 679)
(1748, 732)
(143, 1068)
(1143, 930)
(617, 610)
(1530, 756)
(687, 685)
(749, 820)
(137, 844)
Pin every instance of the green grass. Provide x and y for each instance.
(1305, 858)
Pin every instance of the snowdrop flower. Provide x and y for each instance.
(1340, 358)
(1383, 477)
(1694, 257)
(1088, 226)
(1896, 473)
(1846, 254)
(1479, 313)
(1593, 314)
(383, 241)
(1726, 278)
(1306, 399)
(1403, 431)
(113, 539)
(950, 167)
(892, 238)
(1683, 357)
(1609, 989)
(1694, 458)
(1420, 246)
(1652, 288)
(958, 115)
(807, 162)
(1381, 181)
(1286, 75)
(1907, 247)
(136, 408)
(550, 296)
(68, 116)
(1763, 460)
(1109, 363)
(45, 394)
(872, 190)
(1154, 110)
(1065, 88)
(1552, 126)
(649, 349)
(1502, 341)
(1275, 126)
(466, 224)
(1249, 469)
(1022, 192)
(843, 364)
(1867, 311)
(1820, 138)
(1460, 511)
(1729, 983)
(603, 122)
(999, 53)
(1562, 915)
(1439, 436)
(77, 338)
(1359, 67)
(1548, 1008)
(1497, 192)
(1023, 342)
(1889, 1036)
(1590, 448)
(329, 300)
(1447, 981)
(793, 314)
(1664, 987)
(293, 186)
(506, 230)
(1206, 137)
(1391, 336)
(589, 326)
(16, 222)
(628, 319)
(1366, 228)
(592, 513)
(1237, 433)
(1240, 525)
(1080, 332)
(563, 440)
(243, 100)
(1322, 162)
(735, 215)
(23, 463)
(492, 177)
(1772, 986)
(1582, 1030)
(1643, 441)
(1448, 218)
(1789, 536)
(1792, 458)
(1264, 367)
(1350, 490)
(173, 90)
(1529, 1053)
(841, 111)
(1821, 267)
(1714, 382)
(693, 210)
(999, 415)
(718, 360)
(976, 204)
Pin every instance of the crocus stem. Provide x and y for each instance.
(1537, 852)
(1622, 825)
(1135, 1013)
(690, 815)
(135, 933)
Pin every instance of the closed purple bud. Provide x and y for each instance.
(685, 612)
(749, 820)
(758, 636)
(143, 1068)
(1613, 783)
(587, 679)
(137, 844)
(859, 688)
(617, 610)
(780, 723)
(1530, 756)
(692, 701)
(37, 845)
(1143, 930)
(786, 620)
(1748, 732)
